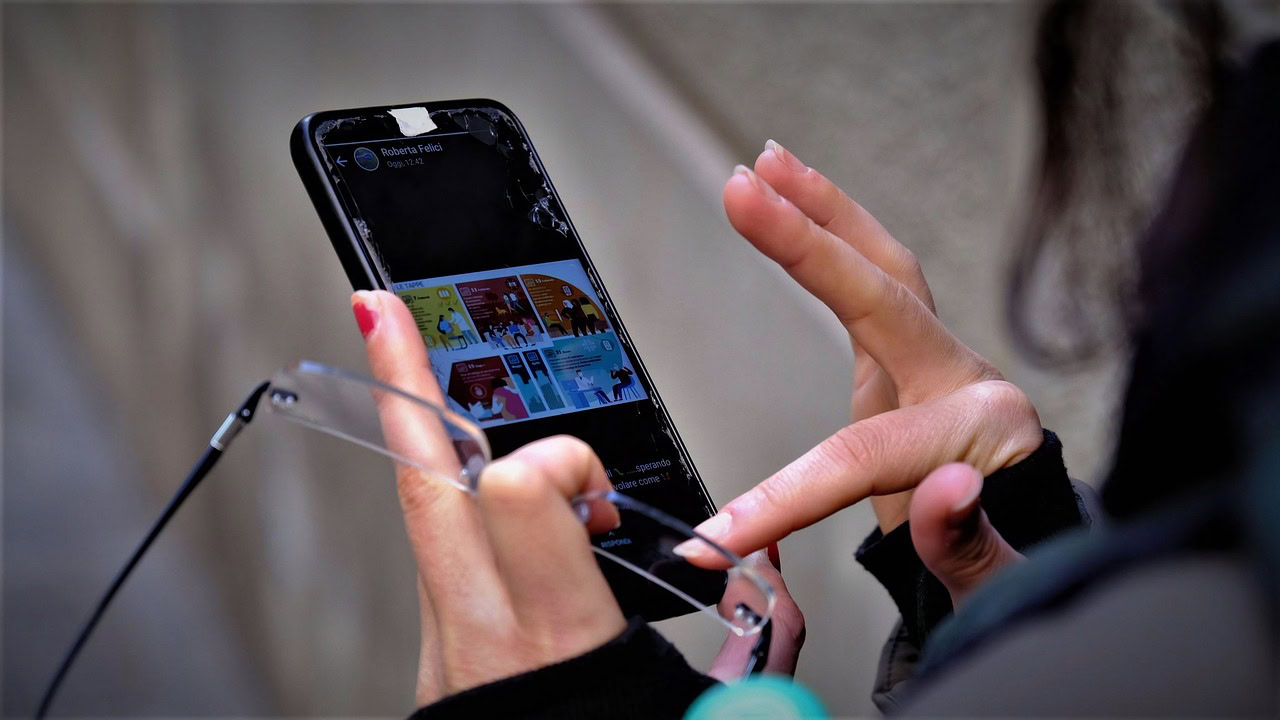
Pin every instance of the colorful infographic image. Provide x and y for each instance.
(534, 381)
(439, 314)
(522, 343)
(593, 371)
(485, 389)
(563, 307)
(502, 312)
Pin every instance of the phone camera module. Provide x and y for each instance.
(366, 159)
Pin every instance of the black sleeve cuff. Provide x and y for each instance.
(636, 675)
(1026, 503)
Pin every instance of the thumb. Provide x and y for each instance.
(952, 534)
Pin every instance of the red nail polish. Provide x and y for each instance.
(367, 319)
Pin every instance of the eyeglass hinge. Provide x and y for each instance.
(236, 421)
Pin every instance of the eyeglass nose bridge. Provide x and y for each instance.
(283, 398)
(743, 613)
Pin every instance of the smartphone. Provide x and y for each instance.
(448, 205)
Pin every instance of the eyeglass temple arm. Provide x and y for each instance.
(760, 652)
(231, 427)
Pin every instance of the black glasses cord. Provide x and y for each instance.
(217, 445)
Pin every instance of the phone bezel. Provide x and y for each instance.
(364, 273)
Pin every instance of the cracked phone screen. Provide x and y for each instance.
(457, 217)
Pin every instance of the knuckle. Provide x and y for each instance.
(418, 491)
(810, 245)
(898, 295)
(881, 292)
(789, 628)
(790, 618)
(985, 370)
(798, 629)
(909, 264)
(1003, 397)
(780, 490)
(912, 273)
(857, 445)
(1011, 419)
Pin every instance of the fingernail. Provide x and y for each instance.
(757, 181)
(584, 512)
(712, 528)
(964, 507)
(791, 161)
(715, 527)
(364, 305)
(690, 548)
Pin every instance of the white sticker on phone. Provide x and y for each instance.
(413, 121)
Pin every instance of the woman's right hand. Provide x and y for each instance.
(921, 398)
(507, 582)
(507, 579)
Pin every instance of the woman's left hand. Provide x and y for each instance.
(922, 398)
(507, 580)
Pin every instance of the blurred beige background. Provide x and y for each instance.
(160, 256)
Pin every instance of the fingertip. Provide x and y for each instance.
(966, 488)
(718, 529)
(389, 314)
(766, 219)
(952, 535)
(367, 309)
(787, 174)
(393, 306)
(737, 191)
(699, 553)
(365, 297)
(768, 158)
(395, 348)
(949, 492)
(945, 509)
(746, 184)
(770, 167)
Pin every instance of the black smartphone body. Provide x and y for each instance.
(448, 205)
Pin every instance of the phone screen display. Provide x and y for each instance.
(520, 344)
(454, 213)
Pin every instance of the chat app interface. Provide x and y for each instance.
(461, 221)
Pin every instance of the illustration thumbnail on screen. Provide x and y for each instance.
(521, 343)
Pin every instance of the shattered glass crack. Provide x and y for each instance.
(529, 187)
